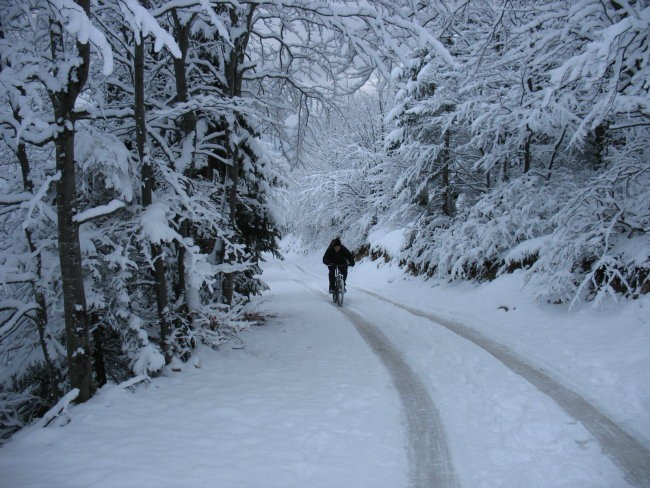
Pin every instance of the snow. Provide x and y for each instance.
(79, 25)
(141, 21)
(307, 404)
(634, 249)
(601, 352)
(389, 241)
(61, 407)
(155, 226)
(526, 249)
(40, 194)
(291, 122)
(148, 358)
(98, 211)
(15, 198)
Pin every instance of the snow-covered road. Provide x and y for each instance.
(376, 394)
(430, 460)
(631, 456)
(571, 441)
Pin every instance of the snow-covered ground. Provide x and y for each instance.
(307, 403)
(602, 353)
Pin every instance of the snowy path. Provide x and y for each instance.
(374, 395)
(630, 455)
(306, 404)
(542, 437)
(429, 455)
(431, 464)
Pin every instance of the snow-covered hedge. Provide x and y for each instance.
(581, 239)
(601, 241)
(475, 244)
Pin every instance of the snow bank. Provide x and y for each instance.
(390, 242)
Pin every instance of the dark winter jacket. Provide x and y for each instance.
(344, 256)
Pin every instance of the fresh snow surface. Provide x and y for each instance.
(307, 404)
(389, 241)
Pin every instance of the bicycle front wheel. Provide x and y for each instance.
(340, 285)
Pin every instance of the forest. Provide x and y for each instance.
(155, 151)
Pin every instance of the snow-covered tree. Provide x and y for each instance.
(341, 184)
(548, 96)
(528, 149)
(148, 136)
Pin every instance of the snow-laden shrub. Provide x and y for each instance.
(21, 403)
(582, 238)
(600, 246)
(474, 245)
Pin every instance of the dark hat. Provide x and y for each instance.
(336, 242)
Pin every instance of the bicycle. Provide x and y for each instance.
(339, 287)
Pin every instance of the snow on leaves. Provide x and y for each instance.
(143, 23)
(77, 23)
(529, 150)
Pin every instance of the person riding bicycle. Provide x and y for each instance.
(337, 255)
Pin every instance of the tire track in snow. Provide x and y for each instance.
(431, 464)
(632, 457)
(428, 452)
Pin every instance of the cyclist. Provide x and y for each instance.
(337, 255)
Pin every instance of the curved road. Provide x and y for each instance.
(431, 464)
(632, 457)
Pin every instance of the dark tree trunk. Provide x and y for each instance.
(74, 296)
(448, 205)
(233, 176)
(187, 126)
(100, 364)
(527, 156)
(148, 181)
(595, 146)
(554, 154)
(504, 171)
(234, 76)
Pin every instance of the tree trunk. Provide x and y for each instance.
(233, 176)
(188, 127)
(504, 171)
(527, 156)
(448, 205)
(503, 166)
(234, 76)
(74, 297)
(556, 148)
(98, 353)
(595, 146)
(148, 181)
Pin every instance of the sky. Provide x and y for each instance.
(312, 401)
